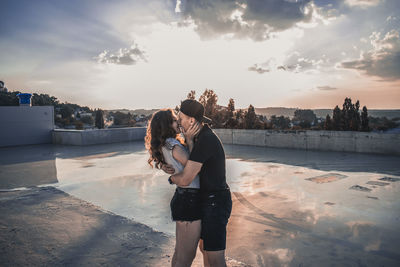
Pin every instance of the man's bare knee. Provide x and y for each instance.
(216, 258)
(201, 246)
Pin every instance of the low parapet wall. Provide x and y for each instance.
(346, 141)
(98, 136)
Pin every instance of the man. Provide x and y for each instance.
(207, 158)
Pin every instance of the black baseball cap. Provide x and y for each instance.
(195, 109)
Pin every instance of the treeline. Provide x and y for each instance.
(349, 118)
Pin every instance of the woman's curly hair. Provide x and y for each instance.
(158, 130)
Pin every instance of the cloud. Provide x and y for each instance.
(383, 60)
(254, 19)
(296, 63)
(258, 69)
(124, 56)
(326, 88)
(391, 18)
(362, 3)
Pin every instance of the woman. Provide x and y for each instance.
(165, 146)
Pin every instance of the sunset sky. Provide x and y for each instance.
(150, 54)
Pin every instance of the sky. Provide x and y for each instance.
(152, 53)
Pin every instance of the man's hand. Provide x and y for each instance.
(193, 130)
(169, 169)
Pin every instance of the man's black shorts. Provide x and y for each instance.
(216, 210)
(185, 204)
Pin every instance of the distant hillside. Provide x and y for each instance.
(279, 111)
(321, 113)
(145, 112)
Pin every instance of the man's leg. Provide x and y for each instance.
(216, 212)
(213, 244)
(216, 258)
(205, 257)
(187, 238)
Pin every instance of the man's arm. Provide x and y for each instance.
(168, 169)
(190, 171)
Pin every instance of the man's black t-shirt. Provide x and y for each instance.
(209, 151)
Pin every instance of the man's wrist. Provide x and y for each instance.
(170, 180)
(189, 142)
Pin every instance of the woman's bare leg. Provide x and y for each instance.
(187, 238)
(173, 262)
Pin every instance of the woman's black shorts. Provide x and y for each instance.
(186, 204)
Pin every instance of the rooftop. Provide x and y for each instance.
(291, 207)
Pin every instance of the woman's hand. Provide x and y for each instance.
(193, 130)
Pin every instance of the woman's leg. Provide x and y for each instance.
(173, 262)
(187, 238)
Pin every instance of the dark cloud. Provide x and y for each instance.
(326, 88)
(383, 60)
(124, 56)
(258, 69)
(255, 19)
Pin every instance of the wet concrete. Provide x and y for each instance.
(291, 207)
(47, 227)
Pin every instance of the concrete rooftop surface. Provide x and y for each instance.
(290, 207)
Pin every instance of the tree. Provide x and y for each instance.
(364, 120)
(44, 100)
(66, 110)
(99, 119)
(350, 115)
(337, 119)
(328, 123)
(9, 98)
(231, 122)
(192, 95)
(87, 120)
(209, 100)
(356, 120)
(239, 117)
(280, 122)
(250, 118)
(79, 125)
(231, 107)
(305, 117)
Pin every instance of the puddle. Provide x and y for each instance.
(377, 183)
(327, 178)
(360, 188)
(390, 179)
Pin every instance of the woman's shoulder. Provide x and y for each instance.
(171, 142)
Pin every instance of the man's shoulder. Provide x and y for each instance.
(209, 137)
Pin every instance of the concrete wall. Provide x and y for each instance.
(24, 125)
(314, 140)
(98, 136)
